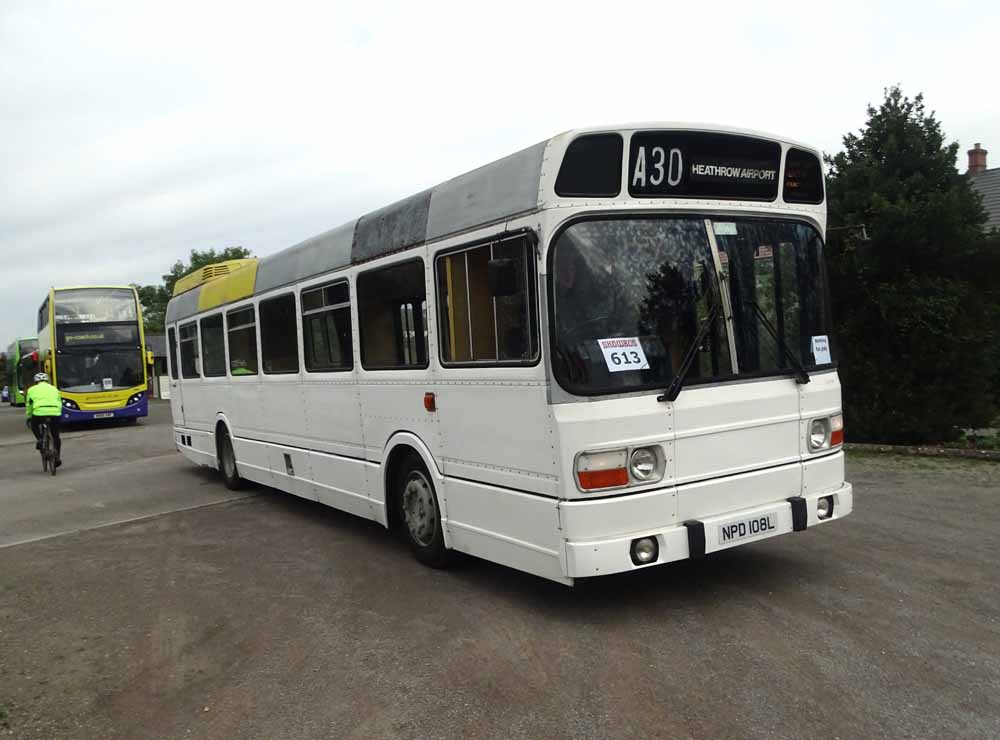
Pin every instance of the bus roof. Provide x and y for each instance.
(507, 188)
(98, 287)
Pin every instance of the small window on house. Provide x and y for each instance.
(242, 333)
(172, 341)
(326, 328)
(392, 314)
(213, 353)
(189, 350)
(279, 345)
(478, 326)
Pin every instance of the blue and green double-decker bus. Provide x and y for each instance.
(91, 343)
(20, 368)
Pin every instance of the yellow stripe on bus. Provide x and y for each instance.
(237, 284)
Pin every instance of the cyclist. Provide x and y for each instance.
(44, 403)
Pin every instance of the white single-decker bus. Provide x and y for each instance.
(609, 351)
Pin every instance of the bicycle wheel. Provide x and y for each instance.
(45, 448)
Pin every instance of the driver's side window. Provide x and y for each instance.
(478, 325)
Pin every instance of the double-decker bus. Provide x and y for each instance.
(92, 345)
(606, 352)
(20, 368)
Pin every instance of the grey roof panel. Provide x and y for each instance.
(493, 192)
(389, 229)
(987, 184)
(183, 305)
(328, 251)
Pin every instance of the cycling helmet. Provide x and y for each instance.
(41, 378)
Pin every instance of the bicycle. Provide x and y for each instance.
(48, 451)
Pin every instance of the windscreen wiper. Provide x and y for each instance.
(802, 375)
(677, 383)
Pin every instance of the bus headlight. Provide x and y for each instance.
(826, 432)
(134, 398)
(644, 464)
(819, 434)
(601, 470)
(69, 404)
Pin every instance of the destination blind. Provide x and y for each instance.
(694, 164)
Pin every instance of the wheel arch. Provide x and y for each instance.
(400, 446)
(222, 421)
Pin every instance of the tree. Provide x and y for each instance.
(915, 306)
(154, 298)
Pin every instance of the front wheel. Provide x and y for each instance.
(420, 515)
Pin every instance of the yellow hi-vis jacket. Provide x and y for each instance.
(43, 400)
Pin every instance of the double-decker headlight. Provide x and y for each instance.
(134, 398)
(70, 404)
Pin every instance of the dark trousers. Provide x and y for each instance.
(53, 422)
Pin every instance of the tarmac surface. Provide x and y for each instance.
(139, 598)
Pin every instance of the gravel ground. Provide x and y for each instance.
(273, 617)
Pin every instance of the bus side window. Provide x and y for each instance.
(279, 343)
(242, 335)
(326, 328)
(172, 341)
(477, 326)
(392, 316)
(213, 354)
(189, 350)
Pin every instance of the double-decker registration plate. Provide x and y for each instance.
(105, 415)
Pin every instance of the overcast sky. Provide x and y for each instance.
(132, 132)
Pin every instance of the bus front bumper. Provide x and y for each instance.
(696, 538)
(130, 411)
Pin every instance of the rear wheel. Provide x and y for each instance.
(420, 514)
(227, 462)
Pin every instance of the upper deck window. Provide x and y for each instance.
(803, 178)
(697, 164)
(592, 167)
(91, 305)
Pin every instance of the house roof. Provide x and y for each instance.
(987, 184)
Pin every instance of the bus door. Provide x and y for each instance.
(176, 393)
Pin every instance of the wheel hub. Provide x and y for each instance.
(420, 509)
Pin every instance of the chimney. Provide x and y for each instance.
(977, 160)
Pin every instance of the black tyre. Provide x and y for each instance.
(419, 514)
(227, 462)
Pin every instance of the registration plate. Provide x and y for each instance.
(105, 415)
(752, 526)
